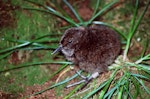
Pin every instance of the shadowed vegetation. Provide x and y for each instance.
(31, 30)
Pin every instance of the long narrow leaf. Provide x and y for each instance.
(52, 11)
(103, 10)
(145, 46)
(96, 7)
(5, 55)
(105, 89)
(141, 82)
(73, 91)
(134, 18)
(15, 47)
(120, 94)
(61, 16)
(131, 33)
(109, 94)
(96, 90)
(59, 70)
(136, 88)
(35, 3)
(73, 10)
(57, 84)
(140, 76)
(126, 96)
(101, 86)
(33, 64)
(147, 57)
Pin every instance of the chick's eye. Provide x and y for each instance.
(70, 41)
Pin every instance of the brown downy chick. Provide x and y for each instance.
(91, 48)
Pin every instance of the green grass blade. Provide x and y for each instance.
(140, 76)
(140, 66)
(36, 9)
(145, 68)
(137, 88)
(105, 89)
(131, 33)
(120, 94)
(47, 37)
(34, 44)
(73, 91)
(126, 96)
(96, 90)
(63, 12)
(15, 47)
(141, 17)
(15, 41)
(35, 3)
(121, 82)
(73, 10)
(51, 11)
(61, 16)
(109, 94)
(24, 44)
(57, 84)
(33, 64)
(141, 82)
(59, 70)
(134, 18)
(102, 11)
(147, 57)
(133, 29)
(96, 7)
(5, 55)
(145, 46)
(101, 86)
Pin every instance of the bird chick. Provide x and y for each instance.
(91, 48)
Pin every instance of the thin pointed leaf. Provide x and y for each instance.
(137, 88)
(141, 17)
(101, 86)
(15, 47)
(105, 89)
(35, 3)
(141, 82)
(128, 93)
(140, 76)
(120, 94)
(102, 10)
(5, 55)
(59, 70)
(96, 90)
(147, 57)
(33, 64)
(134, 18)
(145, 46)
(140, 66)
(57, 84)
(109, 94)
(61, 16)
(52, 11)
(96, 7)
(73, 10)
(72, 92)
(131, 33)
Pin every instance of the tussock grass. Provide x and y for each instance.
(133, 74)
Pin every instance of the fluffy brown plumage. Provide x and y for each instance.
(91, 48)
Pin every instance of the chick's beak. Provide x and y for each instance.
(56, 50)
